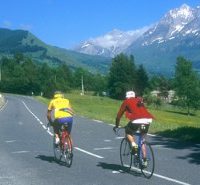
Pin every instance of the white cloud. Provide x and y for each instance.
(25, 27)
(7, 24)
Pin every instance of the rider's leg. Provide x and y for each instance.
(144, 131)
(130, 129)
(144, 152)
(131, 139)
(56, 133)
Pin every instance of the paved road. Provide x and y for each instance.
(26, 155)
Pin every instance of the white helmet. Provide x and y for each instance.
(130, 94)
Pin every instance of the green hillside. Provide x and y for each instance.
(20, 41)
(161, 58)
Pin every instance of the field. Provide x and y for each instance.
(170, 121)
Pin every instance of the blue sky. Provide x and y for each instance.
(65, 23)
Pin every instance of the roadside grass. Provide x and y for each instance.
(169, 121)
(177, 125)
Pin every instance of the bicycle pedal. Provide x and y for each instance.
(71, 155)
(134, 151)
(144, 163)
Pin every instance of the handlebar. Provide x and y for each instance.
(117, 129)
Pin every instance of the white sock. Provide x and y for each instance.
(134, 144)
(57, 140)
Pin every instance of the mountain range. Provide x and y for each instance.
(157, 46)
(20, 41)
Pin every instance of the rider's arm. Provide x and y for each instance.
(50, 106)
(49, 115)
(120, 113)
(70, 110)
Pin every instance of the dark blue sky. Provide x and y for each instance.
(65, 23)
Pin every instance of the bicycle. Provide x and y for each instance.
(129, 158)
(63, 152)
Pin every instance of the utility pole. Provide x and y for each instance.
(82, 86)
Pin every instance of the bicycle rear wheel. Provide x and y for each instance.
(68, 151)
(125, 154)
(57, 150)
(148, 170)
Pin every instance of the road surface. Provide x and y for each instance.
(26, 152)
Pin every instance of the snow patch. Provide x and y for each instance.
(171, 38)
(178, 28)
(85, 45)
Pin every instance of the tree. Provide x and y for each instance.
(63, 78)
(122, 76)
(47, 80)
(31, 75)
(99, 85)
(142, 80)
(187, 84)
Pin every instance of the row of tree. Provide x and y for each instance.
(124, 75)
(21, 75)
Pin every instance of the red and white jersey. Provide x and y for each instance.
(134, 109)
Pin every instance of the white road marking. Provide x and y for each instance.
(10, 141)
(7, 177)
(162, 177)
(119, 137)
(100, 157)
(170, 179)
(20, 152)
(104, 148)
(45, 128)
(51, 134)
(3, 107)
(107, 140)
(99, 121)
(89, 153)
(116, 172)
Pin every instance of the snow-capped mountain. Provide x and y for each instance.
(178, 22)
(181, 21)
(111, 43)
(177, 33)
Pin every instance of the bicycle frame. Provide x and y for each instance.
(63, 135)
(140, 140)
(128, 158)
(63, 153)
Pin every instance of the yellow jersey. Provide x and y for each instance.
(59, 107)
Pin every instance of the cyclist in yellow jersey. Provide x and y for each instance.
(60, 112)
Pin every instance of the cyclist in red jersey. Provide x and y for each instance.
(139, 117)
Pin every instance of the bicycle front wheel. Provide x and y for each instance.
(68, 151)
(148, 169)
(125, 154)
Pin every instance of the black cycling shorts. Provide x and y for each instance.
(59, 122)
(131, 128)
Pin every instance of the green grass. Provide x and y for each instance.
(169, 122)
